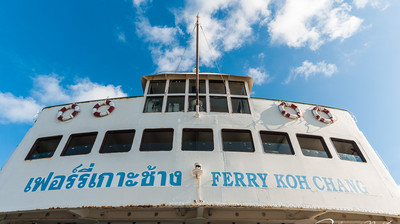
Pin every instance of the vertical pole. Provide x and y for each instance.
(197, 68)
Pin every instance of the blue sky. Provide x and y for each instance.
(343, 54)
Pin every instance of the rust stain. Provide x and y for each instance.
(53, 208)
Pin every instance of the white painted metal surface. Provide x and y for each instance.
(247, 187)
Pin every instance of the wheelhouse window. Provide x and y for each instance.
(237, 88)
(313, 146)
(192, 86)
(79, 144)
(156, 87)
(237, 140)
(177, 86)
(202, 103)
(175, 103)
(197, 140)
(276, 142)
(217, 87)
(157, 139)
(44, 148)
(117, 141)
(240, 105)
(348, 150)
(218, 104)
(153, 104)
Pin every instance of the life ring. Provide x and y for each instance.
(60, 113)
(282, 108)
(110, 109)
(331, 118)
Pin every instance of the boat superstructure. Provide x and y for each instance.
(150, 159)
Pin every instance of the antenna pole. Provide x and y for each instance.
(197, 68)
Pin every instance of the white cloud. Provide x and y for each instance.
(138, 3)
(17, 109)
(259, 75)
(312, 23)
(360, 3)
(121, 37)
(84, 90)
(308, 69)
(49, 91)
(224, 33)
(155, 34)
(379, 4)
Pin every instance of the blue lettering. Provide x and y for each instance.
(251, 177)
(227, 179)
(362, 188)
(329, 184)
(239, 179)
(279, 181)
(351, 185)
(42, 182)
(303, 181)
(263, 177)
(316, 184)
(290, 179)
(341, 186)
(215, 176)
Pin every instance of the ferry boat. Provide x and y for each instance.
(196, 148)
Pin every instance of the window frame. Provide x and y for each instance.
(170, 81)
(149, 87)
(171, 97)
(197, 129)
(277, 133)
(244, 88)
(36, 143)
(324, 145)
(354, 143)
(240, 98)
(155, 130)
(154, 96)
(80, 135)
(113, 132)
(219, 96)
(236, 130)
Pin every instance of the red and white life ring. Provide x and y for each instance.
(110, 109)
(331, 118)
(282, 108)
(60, 113)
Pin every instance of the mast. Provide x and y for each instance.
(197, 68)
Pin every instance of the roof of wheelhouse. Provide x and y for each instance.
(192, 75)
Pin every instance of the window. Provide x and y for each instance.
(217, 87)
(218, 104)
(44, 148)
(177, 86)
(237, 140)
(156, 87)
(153, 104)
(117, 141)
(175, 103)
(157, 139)
(237, 88)
(79, 144)
(348, 150)
(313, 146)
(192, 86)
(276, 142)
(240, 105)
(202, 103)
(197, 140)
